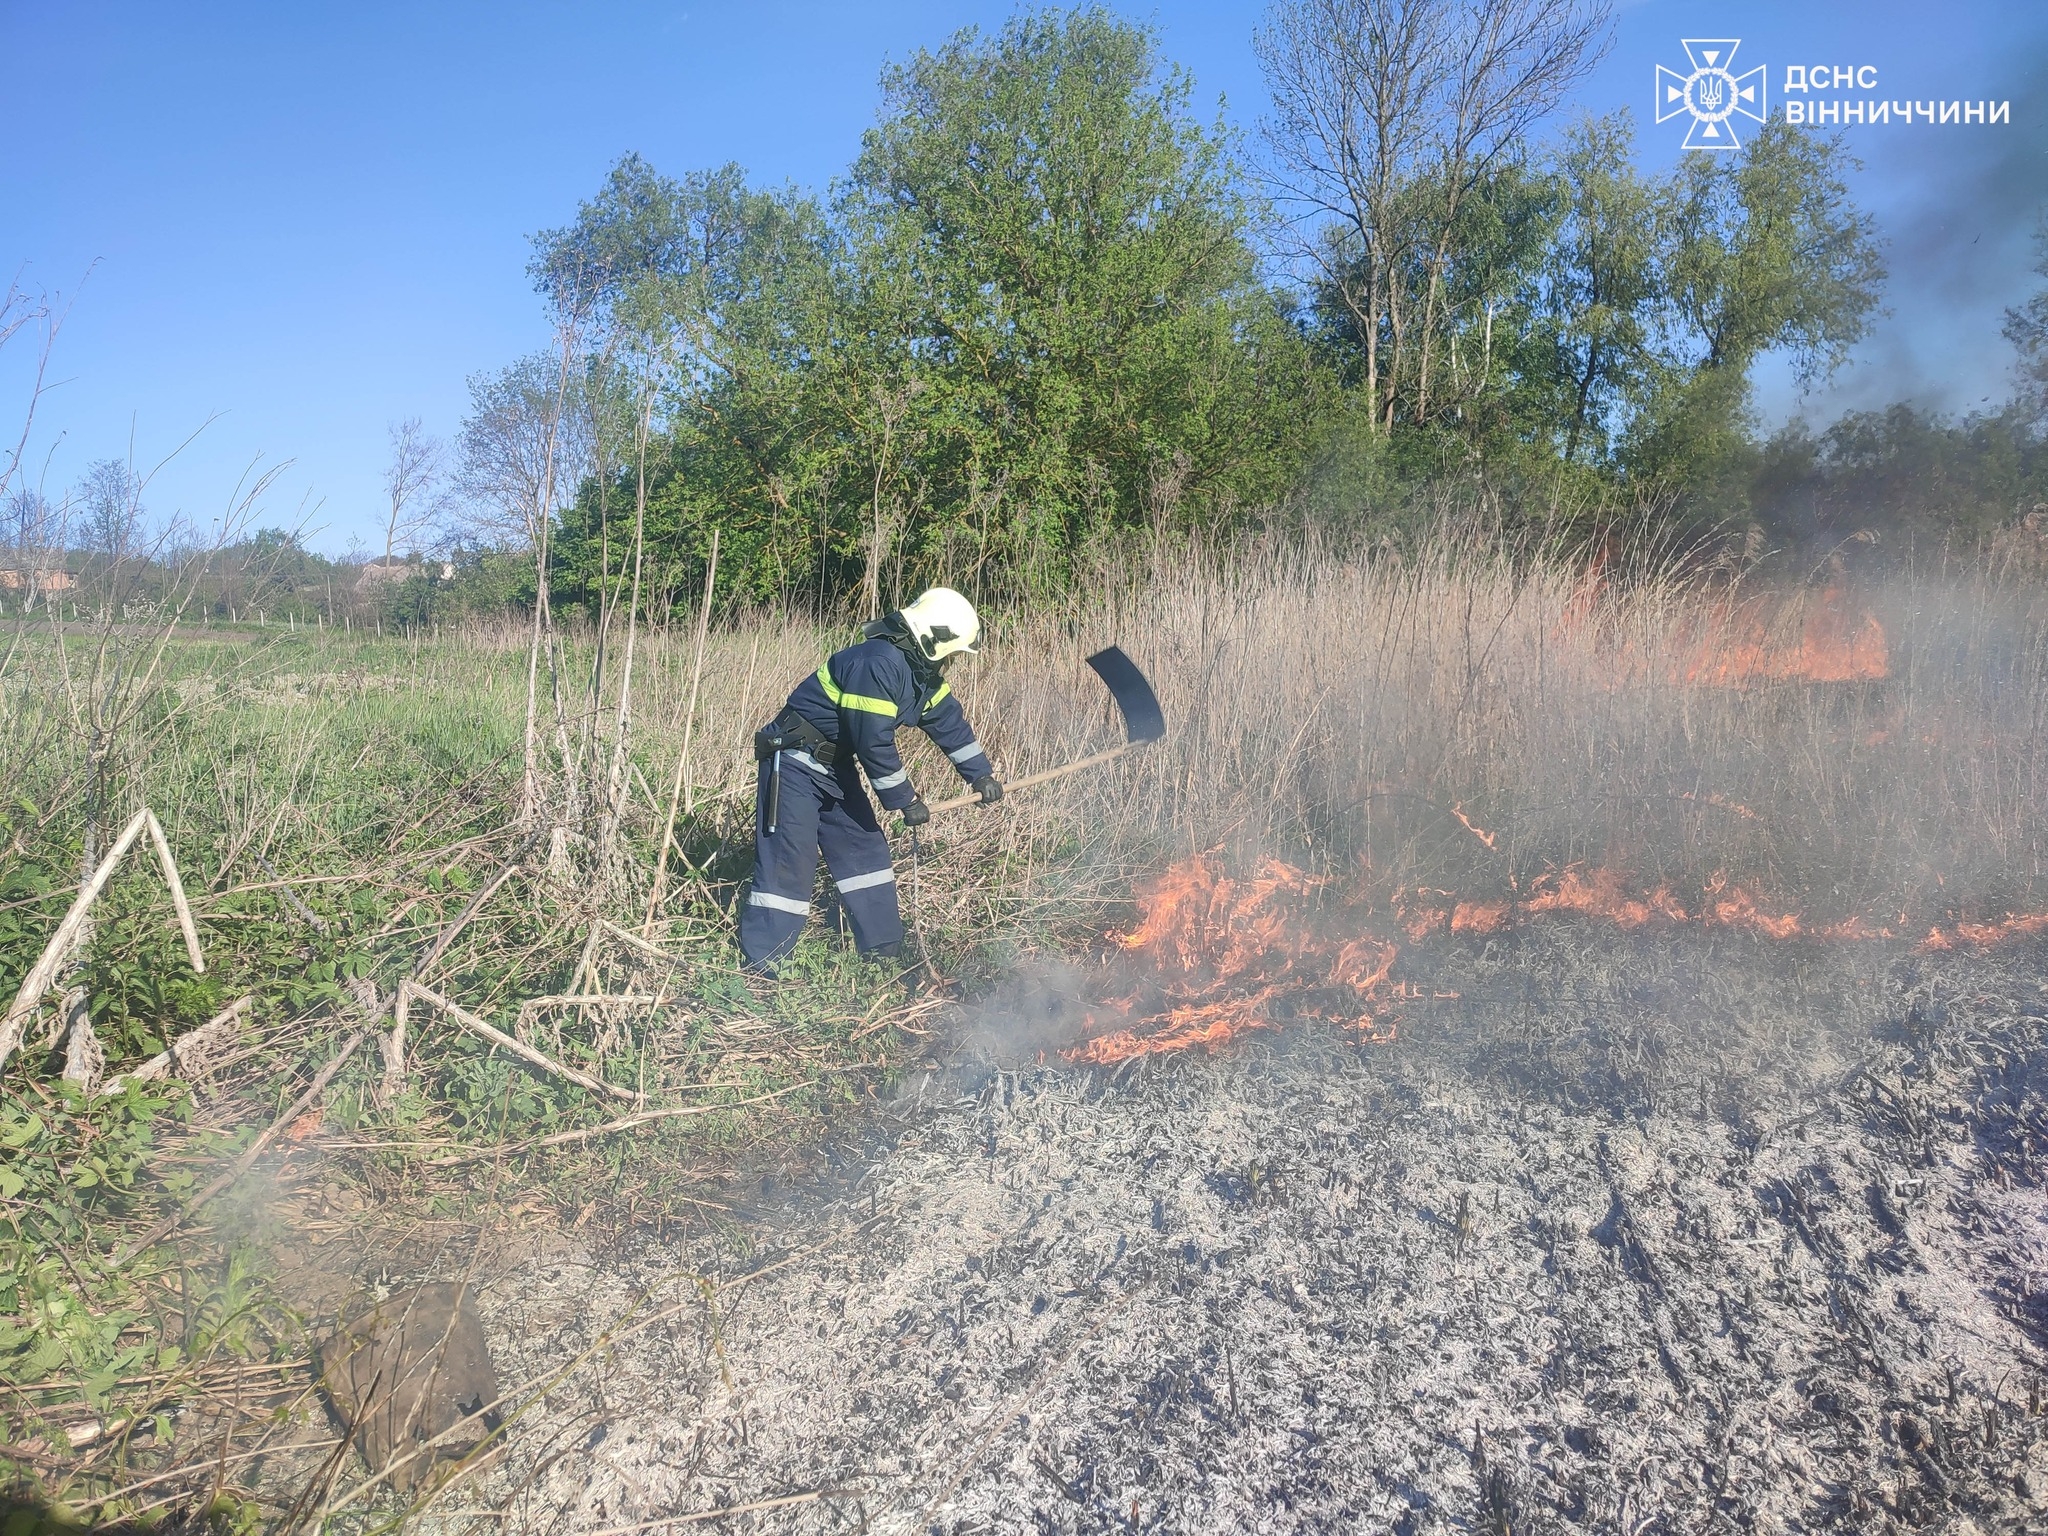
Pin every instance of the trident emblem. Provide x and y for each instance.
(1713, 93)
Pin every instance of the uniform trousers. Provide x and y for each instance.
(824, 811)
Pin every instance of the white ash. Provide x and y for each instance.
(1632, 1236)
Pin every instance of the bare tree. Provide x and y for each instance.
(525, 446)
(1388, 114)
(31, 524)
(110, 516)
(528, 441)
(42, 316)
(411, 483)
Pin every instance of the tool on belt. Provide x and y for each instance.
(1135, 701)
(789, 732)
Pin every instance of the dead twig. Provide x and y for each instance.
(184, 908)
(189, 1053)
(519, 1048)
(624, 1123)
(241, 1165)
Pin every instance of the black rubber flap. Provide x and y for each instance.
(1133, 695)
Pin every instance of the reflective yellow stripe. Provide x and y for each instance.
(844, 700)
(933, 702)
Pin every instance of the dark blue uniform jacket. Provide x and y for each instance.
(860, 697)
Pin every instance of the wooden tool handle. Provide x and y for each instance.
(1045, 776)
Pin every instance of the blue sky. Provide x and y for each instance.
(307, 221)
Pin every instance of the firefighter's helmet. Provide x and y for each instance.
(943, 623)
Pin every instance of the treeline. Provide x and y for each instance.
(1050, 307)
(71, 561)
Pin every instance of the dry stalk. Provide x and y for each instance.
(189, 1055)
(58, 950)
(163, 853)
(668, 826)
(393, 1083)
(519, 1048)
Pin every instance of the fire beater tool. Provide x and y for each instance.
(1135, 700)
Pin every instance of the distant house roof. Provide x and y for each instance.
(382, 570)
(55, 580)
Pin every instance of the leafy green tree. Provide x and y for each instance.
(1768, 253)
(736, 287)
(1032, 319)
(1081, 291)
(1911, 476)
(1762, 253)
(1600, 286)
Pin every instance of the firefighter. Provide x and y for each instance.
(837, 722)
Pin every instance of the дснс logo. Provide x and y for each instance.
(1713, 93)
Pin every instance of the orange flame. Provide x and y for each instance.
(1484, 836)
(1602, 894)
(1983, 935)
(1229, 956)
(1745, 641)
(1240, 955)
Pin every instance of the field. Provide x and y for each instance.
(1534, 1048)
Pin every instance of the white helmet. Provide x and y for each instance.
(943, 623)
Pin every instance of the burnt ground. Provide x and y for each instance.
(1631, 1235)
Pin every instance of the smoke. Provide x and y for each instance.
(1957, 208)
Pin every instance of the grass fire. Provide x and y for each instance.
(1745, 964)
(1142, 821)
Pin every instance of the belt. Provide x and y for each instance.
(791, 732)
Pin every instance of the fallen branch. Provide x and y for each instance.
(624, 1123)
(187, 1055)
(284, 890)
(590, 1000)
(634, 941)
(54, 954)
(163, 853)
(519, 1048)
(475, 905)
(393, 1083)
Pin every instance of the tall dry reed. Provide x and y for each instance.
(1380, 715)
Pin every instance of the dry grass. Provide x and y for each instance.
(1463, 719)
(1337, 713)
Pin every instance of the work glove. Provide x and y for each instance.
(989, 787)
(917, 813)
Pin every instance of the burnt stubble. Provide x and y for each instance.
(1634, 1233)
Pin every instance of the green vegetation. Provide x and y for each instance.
(1060, 341)
(334, 804)
(1049, 311)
